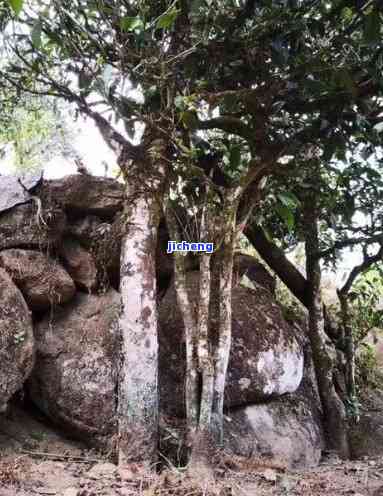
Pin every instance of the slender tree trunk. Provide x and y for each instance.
(138, 323)
(203, 443)
(349, 350)
(192, 399)
(222, 352)
(323, 355)
(205, 359)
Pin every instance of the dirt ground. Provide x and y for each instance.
(37, 460)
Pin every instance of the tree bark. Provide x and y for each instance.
(324, 355)
(349, 351)
(222, 352)
(192, 399)
(278, 262)
(205, 358)
(276, 259)
(138, 322)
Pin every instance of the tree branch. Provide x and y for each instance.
(368, 261)
(230, 125)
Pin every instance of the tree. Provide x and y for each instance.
(331, 207)
(277, 90)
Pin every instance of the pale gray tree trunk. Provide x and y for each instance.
(192, 399)
(138, 323)
(222, 352)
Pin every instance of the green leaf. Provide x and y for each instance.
(131, 24)
(179, 102)
(235, 157)
(372, 27)
(286, 215)
(36, 34)
(16, 5)
(347, 14)
(166, 20)
(289, 200)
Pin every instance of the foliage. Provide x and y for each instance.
(366, 303)
(368, 374)
(35, 130)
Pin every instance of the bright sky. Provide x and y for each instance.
(91, 147)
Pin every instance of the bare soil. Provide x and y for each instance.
(35, 459)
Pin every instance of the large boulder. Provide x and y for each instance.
(15, 190)
(366, 436)
(103, 241)
(23, 227)
(85, 229)
(42, 280)
(82, 194)
(74, 381)
(16, 340)
(254, 271)
(283, 430)
(266, 359)
(79, 263)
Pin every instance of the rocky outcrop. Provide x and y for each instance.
(16, 190)
(79, 263)
(16, 340)
(22, 227)
(266, 358)
(80, 225)
(42, 280)
(366, 436)
(284, 430)
(255, 272)
(85, 194)
(103, 240)
(74, 381)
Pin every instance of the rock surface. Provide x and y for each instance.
(20, 227)
(79, 263)
(13, 193)
(42, 280)
(284, 431)
(366, 437)
(74, 380)
(16, 340)
(85, 194)
(246, 265)
(266, 358)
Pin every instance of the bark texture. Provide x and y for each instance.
(324, 356)
(138, 323)
(349, 350)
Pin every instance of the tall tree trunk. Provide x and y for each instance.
(192, 399)
(349, 350)
(324, 356)
(222, 352)
(138, 323)
(205, 359)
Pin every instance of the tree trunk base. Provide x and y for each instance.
(201, 465)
